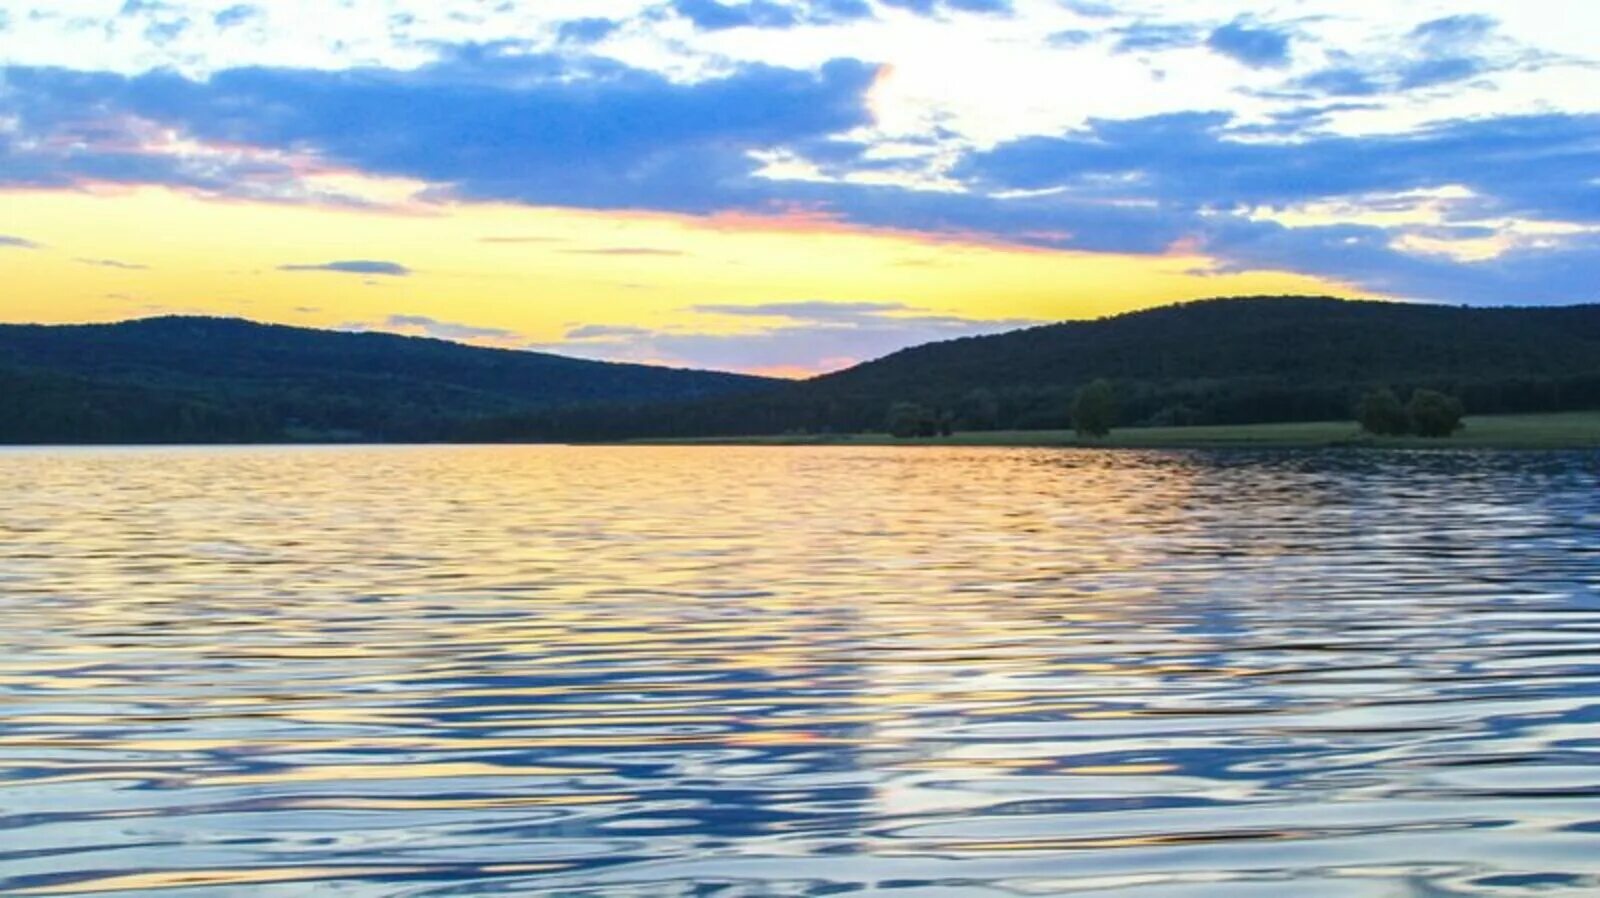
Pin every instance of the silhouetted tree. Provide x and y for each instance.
(1381, 413)
(979, 410)
(1094, 409)
(1434, 414)
(911, 419)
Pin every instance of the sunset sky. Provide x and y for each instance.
(785, 186)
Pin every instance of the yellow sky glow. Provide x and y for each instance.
(538, 272)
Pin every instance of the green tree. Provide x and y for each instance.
(1434, 414)
(911, 419)
(1094, 408)
(979, 410)
(1381, 413)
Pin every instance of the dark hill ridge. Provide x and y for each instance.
(195, 378)
(1225, 361)
(1308, 339)
(1214, 361)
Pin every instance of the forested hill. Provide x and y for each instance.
(201, 379)
(1221, 361)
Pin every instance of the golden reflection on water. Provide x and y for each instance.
(419, 671)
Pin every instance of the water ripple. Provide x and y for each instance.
(652, 671)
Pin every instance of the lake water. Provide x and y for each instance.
(432, 671)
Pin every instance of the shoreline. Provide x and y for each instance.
(1553, 431)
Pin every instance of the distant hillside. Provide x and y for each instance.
(1225, 361)
(202, 379)
(1220, 361)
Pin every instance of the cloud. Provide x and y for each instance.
(446, 330)
(112, 263)
(816, 311)
(1535, 166)
(235, 15)
(1254, 46)
(1436, 53)
(809, 337)
(1149, 36)
(938, 7)
(16, 242)
(1090, 9)
(354, 266)
(712, 15)
(1196, 178)
(607, 332)
(1522, 276)
(485, 123)
(716, 15)
(1453, 32)
(624, 251)
(1072, 37)
(586, 31)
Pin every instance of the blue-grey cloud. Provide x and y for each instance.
(1455, 31)
(163, 22)
(486, 122)
(1538, 166)
(1436, 53)
(112, 263)
(354, 266)
(7, 240)
(1257, 46)
(1194, 177)
(810, 335)
(1153, 36)
(607, 331)
(586, 31)
(1365, 254)
(720, 15)
(937, 7)
(1092, 9)
(1072, 37)
(446, 330)
(236, 15)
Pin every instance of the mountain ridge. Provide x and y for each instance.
(1218, 361)
(239, 380)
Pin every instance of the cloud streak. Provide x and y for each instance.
(112, 263)
(354, 266)
(446, 330)
(793, 338)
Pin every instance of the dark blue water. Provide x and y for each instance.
(730, 672)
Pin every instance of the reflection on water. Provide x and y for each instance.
(637, 671)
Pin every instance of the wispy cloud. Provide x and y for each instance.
(793, 338)
(7, 240)
(425, 326)
(1256, 46)
(625, 251)
(354, 266)
(112, 263)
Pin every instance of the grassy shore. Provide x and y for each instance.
(1568, 430)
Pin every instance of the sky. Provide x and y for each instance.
(785, 186)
